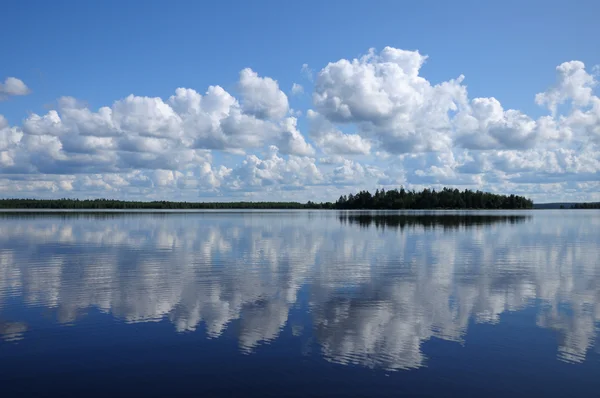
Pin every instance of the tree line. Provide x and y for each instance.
(154, 205)
(446, 198)
(592, 205)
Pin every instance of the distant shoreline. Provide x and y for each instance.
(124, 206)
(392, 199)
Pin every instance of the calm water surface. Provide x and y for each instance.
(324, 303)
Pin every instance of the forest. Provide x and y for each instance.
(447, 198)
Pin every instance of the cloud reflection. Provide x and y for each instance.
(377, 287)
(12, 331)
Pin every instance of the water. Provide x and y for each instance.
(299, 303)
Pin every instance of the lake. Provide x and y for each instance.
(300, 303)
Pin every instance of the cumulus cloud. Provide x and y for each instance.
(374, 121)
(146, 116)
(333, 141)
(12, 87)
(291, 141)
(354, 173)
(9, 136)
(49, 124)
(573, 84)
(384, 95)
(262, 96)
(486, 125)
(172, 138)
(273, 170)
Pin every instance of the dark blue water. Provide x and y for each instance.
(470, 304)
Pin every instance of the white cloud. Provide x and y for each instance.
(354, 173)
(573, 84)
(261, 96)
(146, 116)
(389, 102)
(486, 125)
(307, 72)
(144, 133)
(217, 121)
(375, 121)
(273, 172)
(49, 124)
(12, 87)
(370, 89)
(291, 141)
(332, 141)
(9, 136)
(297, 89)
(84, 122)
(584, 124)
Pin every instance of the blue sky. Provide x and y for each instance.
(394, 118)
